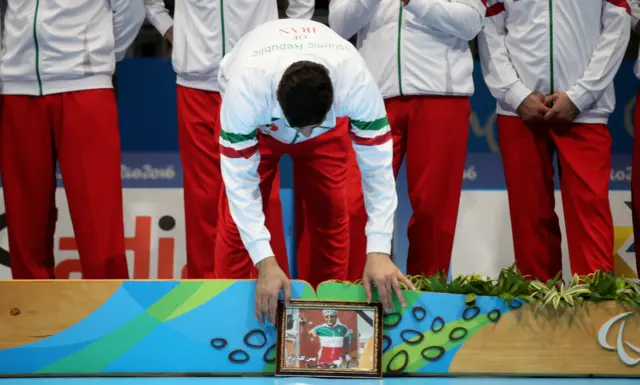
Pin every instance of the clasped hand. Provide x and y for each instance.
(378, 270)
(556, 107)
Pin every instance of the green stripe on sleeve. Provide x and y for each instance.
(238, 138)
(375, 125)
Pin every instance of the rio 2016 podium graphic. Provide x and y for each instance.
(65, 327)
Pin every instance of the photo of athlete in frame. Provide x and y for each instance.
(330, 339)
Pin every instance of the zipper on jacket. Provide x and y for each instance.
(551, 82)
(295, 138)
(35, 40)
(224, 38)
(399, 47)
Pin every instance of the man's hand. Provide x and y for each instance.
(380, 270)
(562, 108)
(271, 279)
(533, 108)
(169, 35)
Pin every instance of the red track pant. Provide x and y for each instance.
(432, 131)
(320, 176)
(198, 133)
(80, 130)
(584, 157)
(635, 181)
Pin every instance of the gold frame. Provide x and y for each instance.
(281, 327)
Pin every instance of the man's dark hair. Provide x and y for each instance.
(305, 93)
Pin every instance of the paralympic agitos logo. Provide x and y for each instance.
(621, 345)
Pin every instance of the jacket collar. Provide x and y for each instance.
(277, 114)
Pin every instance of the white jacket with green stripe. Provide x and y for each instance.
(418, 49)
(572, 46)
(249, 76)
(205, 31)
(65, 45)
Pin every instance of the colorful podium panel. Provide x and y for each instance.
(134, 327)
(498, 338)
(208, 328)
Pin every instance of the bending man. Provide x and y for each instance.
(285, 86)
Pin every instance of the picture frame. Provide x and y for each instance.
(335, 339)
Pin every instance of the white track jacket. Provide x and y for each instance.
(205, 31)
(249, 77)
(59, 46)
(419, 49)
(575, 46)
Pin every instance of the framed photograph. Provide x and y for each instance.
(329, 339)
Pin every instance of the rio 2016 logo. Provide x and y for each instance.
(621, 345)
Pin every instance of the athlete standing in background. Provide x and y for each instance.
(418, 52)
(56, 69)
(202, 33)
(551, 65)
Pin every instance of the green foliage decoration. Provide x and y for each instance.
(511, 285)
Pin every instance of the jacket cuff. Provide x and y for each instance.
(379, 243)
(259, 251)
(580, 97)
(419, 7)
(634, 21)
(516, 94)
(162, 22)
